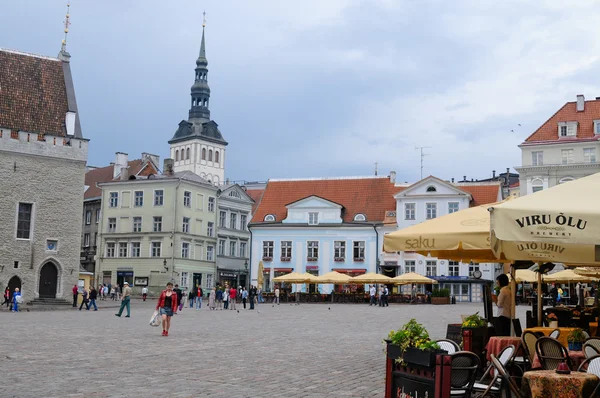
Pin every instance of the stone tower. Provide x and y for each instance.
(198, 145)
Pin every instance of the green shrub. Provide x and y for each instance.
(440, 293)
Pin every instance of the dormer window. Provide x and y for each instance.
(567, 129)
(313, 218)
(360, 217)
(597, 127)
(431, 188)
(269, 218)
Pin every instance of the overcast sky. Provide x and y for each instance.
(322, 88)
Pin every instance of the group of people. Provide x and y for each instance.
(382, 299)
(15, 299)
(225, 297)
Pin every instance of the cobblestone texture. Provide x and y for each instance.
(283, 351)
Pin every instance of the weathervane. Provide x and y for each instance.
(67, 24)
(204, 19)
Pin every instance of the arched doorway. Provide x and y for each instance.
(48, 280)
(13, 283)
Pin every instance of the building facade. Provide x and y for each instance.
(43, 156)
(158, 228)
(564, 148)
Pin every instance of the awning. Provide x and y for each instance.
(350, 270)
(268, 270)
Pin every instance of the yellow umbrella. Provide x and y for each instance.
(333, 277)
(567, 275)
(292, 277)
(309, 278)
(585, 271)
(260, 277)
(525, 275)
(371, 277)
(413, 277)
(463, 235)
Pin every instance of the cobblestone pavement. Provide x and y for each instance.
(310, 350)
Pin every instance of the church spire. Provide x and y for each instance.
(200, 91)
(64, 54)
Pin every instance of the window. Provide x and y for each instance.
(243, 249)
(431, 211)
(537, 185)
(431, 268)
(409, 211)
(269, 218)
(339, 250)
(112, 224)
(135, 249)
(216, 156)
(155, 249)
(453, 268)
(86, 240)
(233, 221)
(567, 129)
(221, 247)
(110, 249)
(88, 217)
(209, 253)
(563, 131)
(409, 266)
(158, 197)
(232, 248)
(185, 226)
(51, 245)
(452, 207)
(313, 218)
(565, 179)
(222, 217)
(122, 249)
(431, 188)
(185, 250)
(596, 127)
(138, 198)
(137, 224)
(95, 238)
(235, 194)
(286, 249)
(16, 264)
(209, 228)
(589, 155)
(97, 216)
(537, 158)
(359, 250)
(567, 156)
(360, 217)
(157, 224)
(203, 153)
(243, 221)
(184, 279)
(187, 154)
(209, 281)
(313, 249)
(472, 268)
(114, 199)
(211, 204)
(187, 199)
(210, 155)
(268, 249)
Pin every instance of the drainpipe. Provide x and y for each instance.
(377, 255)
(249, 275)
(174, 230)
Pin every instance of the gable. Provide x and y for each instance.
(235, 192)
(431, 186)
(313, 202)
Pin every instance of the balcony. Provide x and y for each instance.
(312, 259)
(359, 259)
(267, 258)
(286, 259)
(339, 259)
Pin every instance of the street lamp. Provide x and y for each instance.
(165, 264)
(246, 265)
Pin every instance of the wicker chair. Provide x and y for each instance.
(507, 381)
(464, 370)
(589, 350)
(551, 353)
(594, 341)
(592, 365)
(448, 345)
(494, 385)
(555, 334)
(528, 341)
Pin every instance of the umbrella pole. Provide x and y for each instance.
(540, 298)
(513, 290)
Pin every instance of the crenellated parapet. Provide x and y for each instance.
(37, 144)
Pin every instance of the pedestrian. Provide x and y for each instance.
(179, 294)
(260, 296)
(276, 297)
(385, 296)
(244, 297)
(381, 296)
(119, 289)
(252, 296)
(6, 297)
(198, 297)
(75, 291)
(84, 299)
(211, 299)
(414, 294)
(113, 293)
(232, 298)
(219, 298)
(125, 301)
(226, 293)
(504, 304)
(17, 298)
(191, 298)
(372, 293)
(104, 291)
(167, 305)
(144, 293)
(93, 296)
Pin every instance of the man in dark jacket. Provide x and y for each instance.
(179, 294)
(252, 296)
(93, 296)
(554, 294)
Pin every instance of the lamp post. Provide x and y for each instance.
(165, 264)
(246, 268)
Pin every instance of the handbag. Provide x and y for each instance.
(156, 319)
(19, 299)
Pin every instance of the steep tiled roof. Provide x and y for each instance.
(568, 113)
(105, 174)
(370, 196)
(33, 94)
(256, 195)
(482, 194)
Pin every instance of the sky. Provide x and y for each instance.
(317, 88)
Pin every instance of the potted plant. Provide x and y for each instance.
(411, 345)
(440, 296)
(552, 320)
(576, 339)
(475, 333)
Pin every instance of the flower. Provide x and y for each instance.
(551, 317)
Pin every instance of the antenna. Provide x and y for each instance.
(67, 24)
(420, 148)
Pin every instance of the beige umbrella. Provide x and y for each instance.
(333, 277)
(309, 278)
(593, 272)
(567, 275)
(413, 277)
(525, 275)
(371, 277)
(260, 278)
(292, 277)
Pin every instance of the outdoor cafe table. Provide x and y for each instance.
(498, 343)
(564, 333)
(577, 358)
(549, 384)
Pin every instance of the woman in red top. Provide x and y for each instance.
(167, 304)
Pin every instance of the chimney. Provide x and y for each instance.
(168, 167)
(580, 103)
(124, 173)
(493, 173)
(120, 162)
(465, 178)
(393, 177)
(452, 180)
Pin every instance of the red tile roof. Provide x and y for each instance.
(33, 94)
(482, 194)
(256, 195)
(369, 196)
(568, 113)
(105, 174)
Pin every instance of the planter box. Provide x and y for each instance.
(413, 356)
(440, 300)
(575, 346)
(475, 339)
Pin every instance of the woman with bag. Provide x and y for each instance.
(167, 304)
(6, 297)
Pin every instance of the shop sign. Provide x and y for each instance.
(312, 267)
(141, 281)
(227, 274)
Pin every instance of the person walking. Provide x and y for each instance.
(276, 297)
(75, 291)
(252, 296)
(118, 291)
(372, 293)
(219, 298)
(179, 293)
(93, 296)
(260, 296)
(244, 297)
(17, 298)
(198, 297)
(6, 297)
(113, 293)
(167, 305)
(232, 298)
(191, 298)
(211, 299)
(414, 294)
(125, 301)
(386, 293)
(144, 293)
(226, 293)
(84, 299)
(104, 292)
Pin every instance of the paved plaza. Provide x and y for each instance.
(309, 350)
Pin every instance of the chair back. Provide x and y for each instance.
(517, 327)
(449, 346)
(528, 343)
(554, 334)
(591, 365)
(585, 334)
(589, 350)
(464, 370)
(551, 353)
(510, 383)
(594, 341)
(506, 354)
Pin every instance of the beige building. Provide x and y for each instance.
(156, 229)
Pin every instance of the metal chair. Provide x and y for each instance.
(585, 334)
(507, 381)
(528, 340)
(448, 345)
(517, 327)
(554, 334)
(551, 353)
(494, 385)
(464, 370)
(594, 341)
(589, 350)
(592, 365)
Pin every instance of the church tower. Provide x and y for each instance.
(198, 145)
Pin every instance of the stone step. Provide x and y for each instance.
(50, 301)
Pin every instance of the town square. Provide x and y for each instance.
(361, 198)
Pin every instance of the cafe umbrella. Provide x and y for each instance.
(413, 278)
(260, 278)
